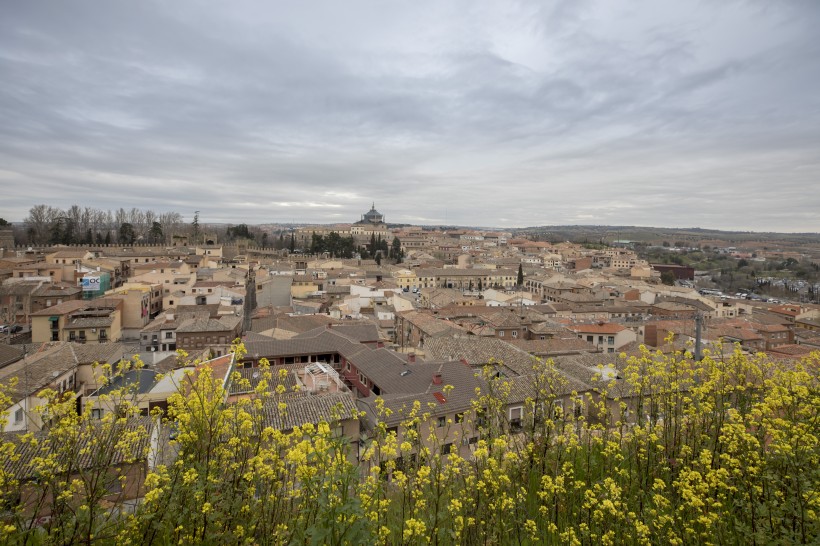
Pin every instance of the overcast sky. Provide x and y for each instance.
(653, 113)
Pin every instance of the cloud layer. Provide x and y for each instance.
(650, 112)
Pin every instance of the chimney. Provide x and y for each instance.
(329, 325)
(380, 344)
(411, 358)
(437, 378)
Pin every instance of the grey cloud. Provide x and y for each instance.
(492, 113)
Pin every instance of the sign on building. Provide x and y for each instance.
(90, 284)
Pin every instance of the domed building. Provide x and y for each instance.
(372, 216)
(372, 223)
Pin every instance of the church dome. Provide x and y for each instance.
(373, 216)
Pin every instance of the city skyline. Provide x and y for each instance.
(498, 115)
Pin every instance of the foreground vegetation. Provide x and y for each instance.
(723, 452)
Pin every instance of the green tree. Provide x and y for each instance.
(195, 228)
(378, 258)
(239, 232)
(155, 234)
(317, 243)
(520, 279)
(395, 249)
(334, 244)
(126, 234)
(668, 278)
(4, 223)
(57, 230)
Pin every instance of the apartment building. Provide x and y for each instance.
(607, 337)
(92, 321)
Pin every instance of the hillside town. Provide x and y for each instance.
(414, 323)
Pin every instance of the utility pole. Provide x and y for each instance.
(25, 379)
(698, 340)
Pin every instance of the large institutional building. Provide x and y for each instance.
(372, 223)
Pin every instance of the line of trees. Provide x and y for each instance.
(379, 248)
(87, 225)
(334, 244)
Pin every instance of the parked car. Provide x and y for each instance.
(16, 328)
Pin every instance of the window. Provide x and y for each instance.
(516, 414)
(557, 409)
(18, 415)
(578, 407)
(459, 417)
(442, 421)
(96, 413)
(169, 335)
(611, 340)
(480, 418)
(113, 485)
(591, 339)
(446, 449)
(501, 333)
(515, 333)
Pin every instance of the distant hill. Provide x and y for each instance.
(653, 235)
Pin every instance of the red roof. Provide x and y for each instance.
(785, 310)
(599, 328)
